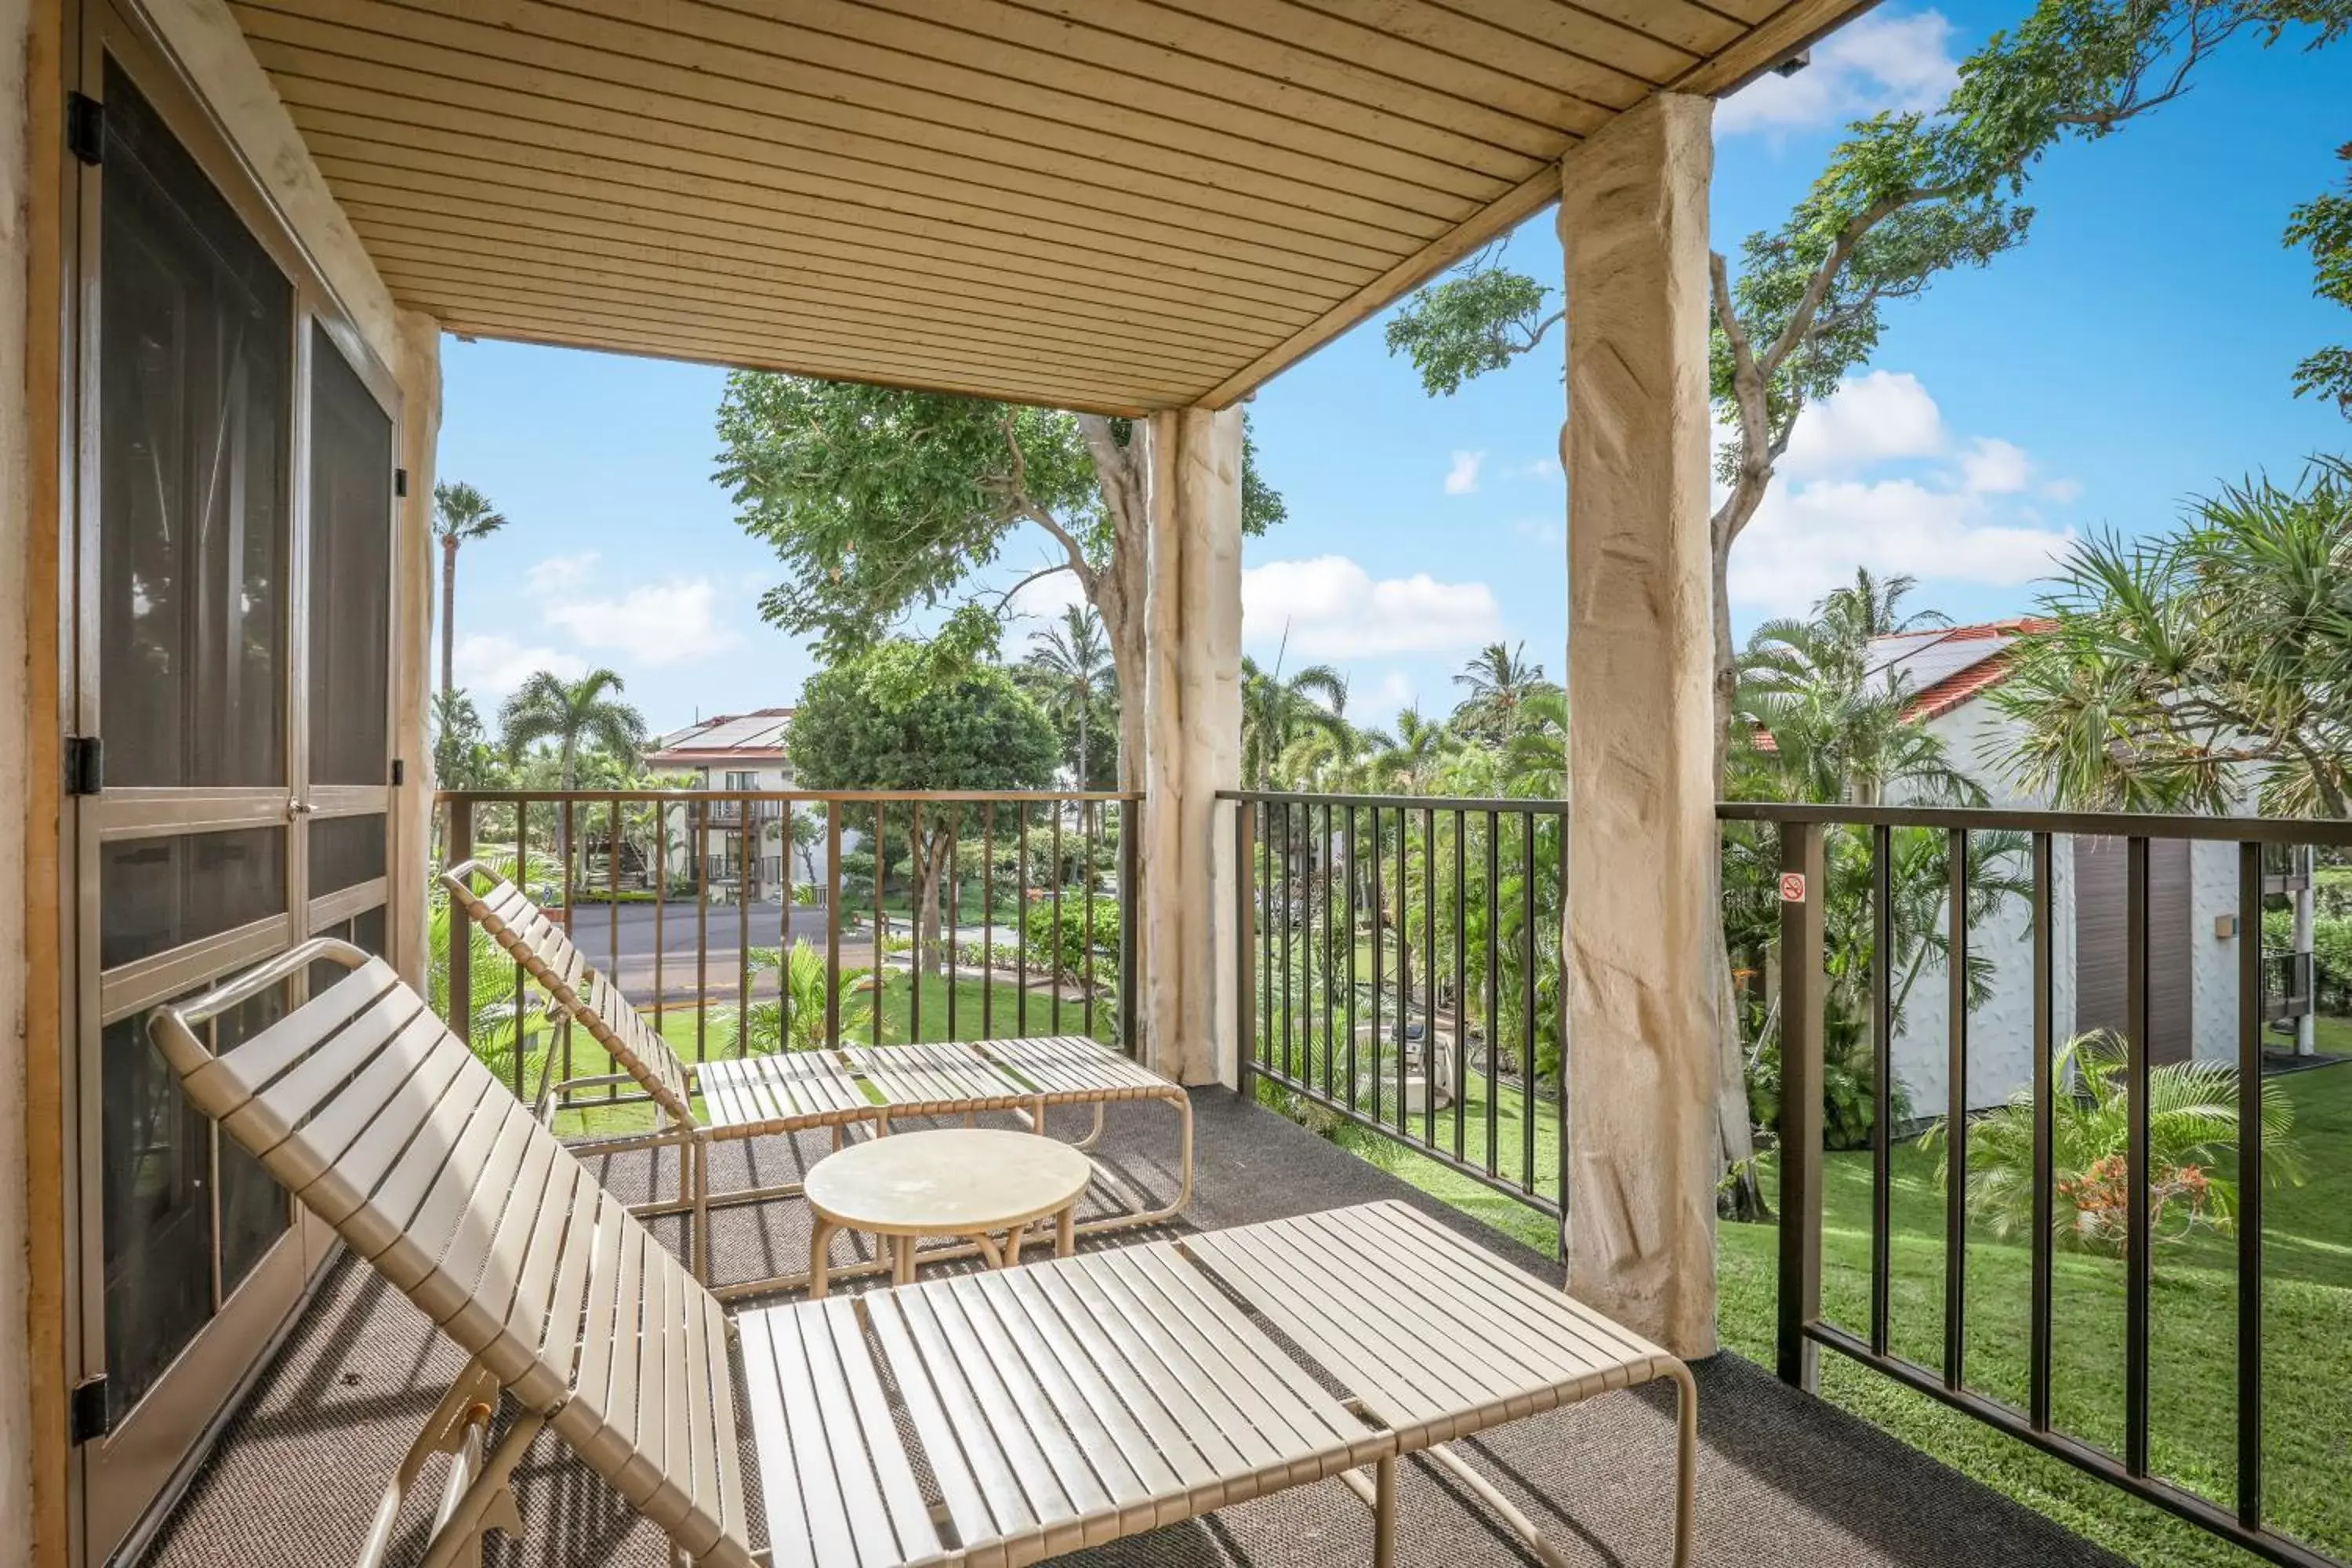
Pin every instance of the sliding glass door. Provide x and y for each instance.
(229, 721)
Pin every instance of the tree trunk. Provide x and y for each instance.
(448, 614)
(929, 864)
(1742, 1196)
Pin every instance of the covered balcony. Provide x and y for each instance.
(248, 228)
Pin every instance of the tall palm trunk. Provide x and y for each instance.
(448, 614)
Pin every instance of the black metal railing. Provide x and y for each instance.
(2242, 1512)
(1399, 969)
(2287, 987)
(891, 916)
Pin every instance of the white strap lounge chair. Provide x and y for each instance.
(799, 1091)
(1053, 1408)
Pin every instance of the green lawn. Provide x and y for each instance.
(2193, 1325)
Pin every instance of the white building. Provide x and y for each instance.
(745, 843)
(2193, 940)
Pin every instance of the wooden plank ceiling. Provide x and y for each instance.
(1114, 205)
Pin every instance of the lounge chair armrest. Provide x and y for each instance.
(172, 1027)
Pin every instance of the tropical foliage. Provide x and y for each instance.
(2323, 225)
(2193, 1128)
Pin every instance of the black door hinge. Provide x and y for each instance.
(399, 773)
(86, 128)
(400, 481)
(85, 764)
(89, 1416)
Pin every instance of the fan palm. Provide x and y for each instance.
(1500, 681)
(461, 514)
(796, 1020)
(576, 715)
(1410, 759)
(2193, 1128)
(1276, 712)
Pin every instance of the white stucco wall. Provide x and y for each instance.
(1979, 740)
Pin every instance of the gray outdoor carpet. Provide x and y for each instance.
(1784, 1481)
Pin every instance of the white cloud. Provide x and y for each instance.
(1330, 608)
(1396, 691)
(1544, 531)
(2063, 492)
(1873, 418)
(1806, 539)
(561, 573)
(489, 665)
(1994, 466)
(1044, 598)
(1883, 61)
(1541, 469)
(1462, 479)
(664, 624)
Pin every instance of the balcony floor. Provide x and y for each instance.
(1784, 1479)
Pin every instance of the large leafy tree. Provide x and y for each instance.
(904, 716)
(2184, 670)
(461, 514)
(884, 503)
(2323, 225)
(1905, 198)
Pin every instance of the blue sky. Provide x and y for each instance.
(2136, 350)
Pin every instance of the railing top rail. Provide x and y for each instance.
(816, 796)
(2078, 823)
(1534, 806)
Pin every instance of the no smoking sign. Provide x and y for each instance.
(1793, 887)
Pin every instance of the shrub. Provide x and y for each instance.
(1063, 952)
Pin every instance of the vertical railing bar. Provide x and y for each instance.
(743, 858)
(1527, 1004)
(459, 839)
(522, 980)
(1956, 1109)
(1355, 851)
(1088, 814)
(1245, 912)
(954, 918)
(1310, 859)
(1494, 984)
(1331, 998)
(571, 856)
(661, 903)
(699, 812)
(612, 908)
(833, 923)
(1130, 875)
(1881, 1057)
(1261, 927)
(881, 923)
(1021, 925)
(2250, 1178)
(783, 929)
(1461, 977)
(1803, 992)
(2044, 1122)
(1560, 1003)
(1429, 975)
(988, 919)
(2135, 1240)
(1380, 971)
(919, 867)
(1404, 968)
(1289, 1044)
(1061, 875)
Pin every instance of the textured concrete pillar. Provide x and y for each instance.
(1642, 844)
(418, 369)
(1192, 713)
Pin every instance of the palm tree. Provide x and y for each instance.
(1407, 761)
(1070, 670)
(576, 715)
(460, 514)
(1275, 712)
(1500, 679)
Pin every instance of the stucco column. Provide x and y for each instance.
(418, 368)
(1192, 724)
(1641, 835)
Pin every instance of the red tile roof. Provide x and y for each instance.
(1961, 672)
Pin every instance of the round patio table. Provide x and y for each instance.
(965, 1182)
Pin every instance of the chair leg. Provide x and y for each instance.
(485, 1504)
(1685, 1463)
(1384, 1513)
